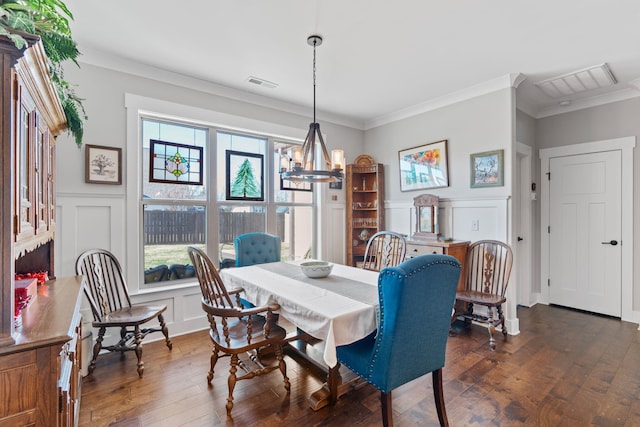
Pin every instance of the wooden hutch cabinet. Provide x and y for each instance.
(39, 350)
(364, 205)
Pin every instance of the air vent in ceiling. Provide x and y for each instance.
(262, 82)
(589, 78)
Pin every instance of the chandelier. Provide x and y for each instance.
(298, 164)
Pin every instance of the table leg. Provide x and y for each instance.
(339, 380)
(328, 393)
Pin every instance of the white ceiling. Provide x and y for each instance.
(379, 57)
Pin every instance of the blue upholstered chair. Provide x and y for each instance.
(413, 326)
(256, 248)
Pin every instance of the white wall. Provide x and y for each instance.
(479, 124)
(482, 123)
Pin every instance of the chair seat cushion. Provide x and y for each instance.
(357, 356)
(135, 315)
(480, 298)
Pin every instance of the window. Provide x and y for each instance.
(173, 213)
(176, 212)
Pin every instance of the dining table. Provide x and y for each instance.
(336, 310)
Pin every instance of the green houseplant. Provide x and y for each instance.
(48, 19)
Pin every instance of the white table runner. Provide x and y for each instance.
(338, 316)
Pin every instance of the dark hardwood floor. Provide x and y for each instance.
(566, 368)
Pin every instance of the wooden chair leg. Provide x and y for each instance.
(165, 331)
(438, 395)
(214, 360)
(501, 317)
(491, 328)
(96, 349)
(231, 381)
(123, 342)
(138, 350)
(468, 315)
(283, 368)
(387, 411)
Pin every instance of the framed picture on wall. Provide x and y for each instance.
(424, 167)
(487, 169)
(245, 176)
(103, 165)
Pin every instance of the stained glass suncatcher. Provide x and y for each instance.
(175, 163)
(245, 176)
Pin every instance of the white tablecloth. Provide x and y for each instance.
(339, 316)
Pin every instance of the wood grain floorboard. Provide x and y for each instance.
(566, 368)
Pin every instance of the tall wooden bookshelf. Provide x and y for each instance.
(365, 205)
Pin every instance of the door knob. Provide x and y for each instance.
(520, 239)
(611, 242)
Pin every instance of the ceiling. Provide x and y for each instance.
(379, 58)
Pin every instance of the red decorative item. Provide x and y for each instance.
(41, 276)
(26, 289)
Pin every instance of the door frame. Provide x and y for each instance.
(523, 216)
(626, 146)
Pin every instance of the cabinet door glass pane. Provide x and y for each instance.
(24, 153)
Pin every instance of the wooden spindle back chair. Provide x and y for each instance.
(106, 290)
(485, 273)
(236, 330)
(384, 249)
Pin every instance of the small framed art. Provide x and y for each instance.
(487, 169)
(103, 165)
(424, 167)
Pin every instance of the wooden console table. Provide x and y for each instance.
(40, 377)
(455, 248)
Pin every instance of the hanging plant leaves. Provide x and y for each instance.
(48, 19)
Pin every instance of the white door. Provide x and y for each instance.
(585, 232)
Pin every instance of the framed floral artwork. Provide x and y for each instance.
(424, 166)
(173, 163)
(103, 165)
(487, 169)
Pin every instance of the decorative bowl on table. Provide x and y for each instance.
(316, 269)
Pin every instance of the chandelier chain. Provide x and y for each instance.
(314, 81)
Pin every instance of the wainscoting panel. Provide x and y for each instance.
(457, 217)
(333, 248)
(85, 222)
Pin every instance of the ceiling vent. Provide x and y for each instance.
(261, 82)
(589, 78)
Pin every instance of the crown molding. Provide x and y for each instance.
(116, 63)
(503, 82)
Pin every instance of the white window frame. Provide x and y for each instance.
(139, 106)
